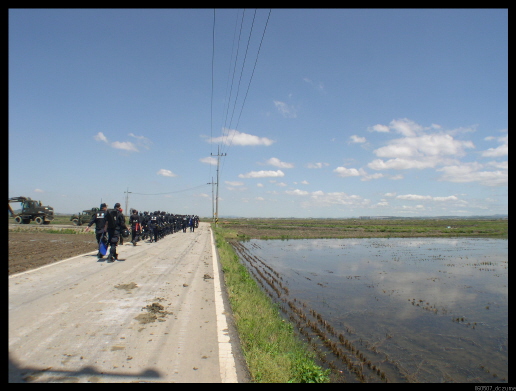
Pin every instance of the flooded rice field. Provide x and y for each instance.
(393, 310)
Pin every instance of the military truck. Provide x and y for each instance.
(83, 217)
(31, 210)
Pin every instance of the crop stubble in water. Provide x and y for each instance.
(419, 310)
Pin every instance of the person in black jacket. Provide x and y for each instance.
(115, 223)
(136, 223)
(99, 219)
(153, 225)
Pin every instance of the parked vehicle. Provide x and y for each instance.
(31, 211)
(83, 217)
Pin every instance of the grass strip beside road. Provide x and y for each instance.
(273, 352)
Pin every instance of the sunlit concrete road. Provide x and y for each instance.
(156, 315)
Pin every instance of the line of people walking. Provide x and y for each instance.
(111, 228)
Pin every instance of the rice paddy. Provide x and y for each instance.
(393, 310)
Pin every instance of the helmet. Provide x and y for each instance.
(125, 233)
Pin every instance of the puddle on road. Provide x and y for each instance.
(397, 310)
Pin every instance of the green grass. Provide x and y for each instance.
(273, 352)
(357, 228)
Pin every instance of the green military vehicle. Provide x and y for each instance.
(83, 217)
(31, 211)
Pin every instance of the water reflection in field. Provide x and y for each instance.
(418, 310)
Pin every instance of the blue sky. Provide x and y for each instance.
(319, 112)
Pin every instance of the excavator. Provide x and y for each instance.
(31, 211)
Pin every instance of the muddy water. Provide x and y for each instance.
(395, 310)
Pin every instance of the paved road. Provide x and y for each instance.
(156, 315)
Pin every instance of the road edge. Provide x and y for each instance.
(229, 343)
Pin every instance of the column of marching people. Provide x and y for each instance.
(111, 228)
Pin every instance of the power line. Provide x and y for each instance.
(242, 69)
(233, 77)
(226, 126)
(172, 192)
(212, 80)
(254, 67)
(252, 74)
(251, 78)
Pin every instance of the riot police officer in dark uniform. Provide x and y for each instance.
(99, 219)
(136, 225)
(153, 225)
(115, 223)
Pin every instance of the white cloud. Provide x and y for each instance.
(444, 199)
(317, 165)
(502, 150)
(426, 145)
(404, 164)
(500, 165)
(417, 197)
(357, 140)
(100, 137)
(379, 128)
(234, 183)
(166, 173)
(262, 174)
(38, 191)
(296, 192)
(142, 141)
(405, 127)
(210, 160)
(125, 145)
(346, 172)
(285, 110)
(419, 148)
(273, 161)
(470, 172)
(413, 197)
(234, 137)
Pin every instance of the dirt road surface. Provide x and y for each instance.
(158, 314)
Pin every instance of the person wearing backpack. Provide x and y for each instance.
(99, 219)
(153, 225)
(115, 223)
(136, 223)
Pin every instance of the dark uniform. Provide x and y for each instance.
(153, 225)
(136, 225)
(191, 223)
(99, 219)
(115, 223)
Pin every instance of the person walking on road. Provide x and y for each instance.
(115, 223)
(99, 219)
(191, 223)
(121, 239)
(153, 225)
(136, 222)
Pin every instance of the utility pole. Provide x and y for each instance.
(217, 183)
(127, 201)
(212, 200)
